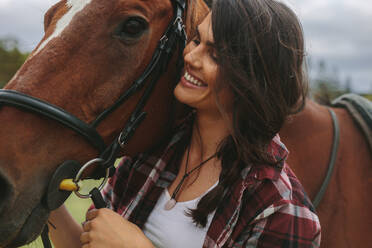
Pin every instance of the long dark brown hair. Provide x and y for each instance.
(260, 56)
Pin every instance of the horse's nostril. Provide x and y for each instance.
(5, 192)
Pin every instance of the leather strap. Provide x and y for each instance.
(332, 161)
(35, 105)
(45, 237)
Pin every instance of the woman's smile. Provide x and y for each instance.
(191, 81)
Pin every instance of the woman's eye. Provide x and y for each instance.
(196, 41)
(213, 55)
(132, 28)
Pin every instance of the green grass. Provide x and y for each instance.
(369, 97)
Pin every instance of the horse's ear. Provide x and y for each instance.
(196, 12)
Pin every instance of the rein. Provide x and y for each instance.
(174, 36)
(332, 160)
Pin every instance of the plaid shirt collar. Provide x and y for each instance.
(279, 154)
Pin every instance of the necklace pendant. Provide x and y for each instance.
(170, 204)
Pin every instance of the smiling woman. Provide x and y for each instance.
(221, 162)
(221, 178)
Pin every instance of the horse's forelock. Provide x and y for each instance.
(73, 7)
(197, 11)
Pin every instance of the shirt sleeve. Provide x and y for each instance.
(286, 225)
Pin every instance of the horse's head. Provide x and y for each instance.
(91, 53)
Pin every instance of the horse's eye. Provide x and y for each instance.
(132, 28)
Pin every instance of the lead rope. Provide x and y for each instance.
(97, 199)
(45, 237)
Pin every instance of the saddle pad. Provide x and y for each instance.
(360, 109)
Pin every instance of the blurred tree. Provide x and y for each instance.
(336, 77)
(348, 84)
(326, 85)
(11, 58)
(369, 96)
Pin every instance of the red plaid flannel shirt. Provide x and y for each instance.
(266, 207)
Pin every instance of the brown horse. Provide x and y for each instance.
(344, 211)
(91, 53)
(26, 158)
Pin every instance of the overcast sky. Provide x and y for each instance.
(338, 31)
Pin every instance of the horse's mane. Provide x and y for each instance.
(197, 10)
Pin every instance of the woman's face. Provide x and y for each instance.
(197, 85)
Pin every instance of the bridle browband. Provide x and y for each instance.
(174, 34)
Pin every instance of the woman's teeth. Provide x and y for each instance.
(192, 80)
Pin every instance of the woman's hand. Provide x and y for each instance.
(105, 228)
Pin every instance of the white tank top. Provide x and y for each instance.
(173, 228)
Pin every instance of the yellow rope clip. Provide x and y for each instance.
(69, 185)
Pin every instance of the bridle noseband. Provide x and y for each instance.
(174, 36)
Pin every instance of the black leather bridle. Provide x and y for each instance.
(173, 38)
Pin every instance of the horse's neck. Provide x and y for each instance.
(313, 118)
(308, 136)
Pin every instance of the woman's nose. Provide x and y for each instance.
(192, 57)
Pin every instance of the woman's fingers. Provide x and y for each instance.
(91, 214)
(87, 226)
(85, 238)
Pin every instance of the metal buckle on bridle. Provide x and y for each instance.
(179, 27)
(163, 41)
(80, 173)
(121, 142)
(178, 21)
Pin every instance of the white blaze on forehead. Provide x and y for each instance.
(74, 6)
